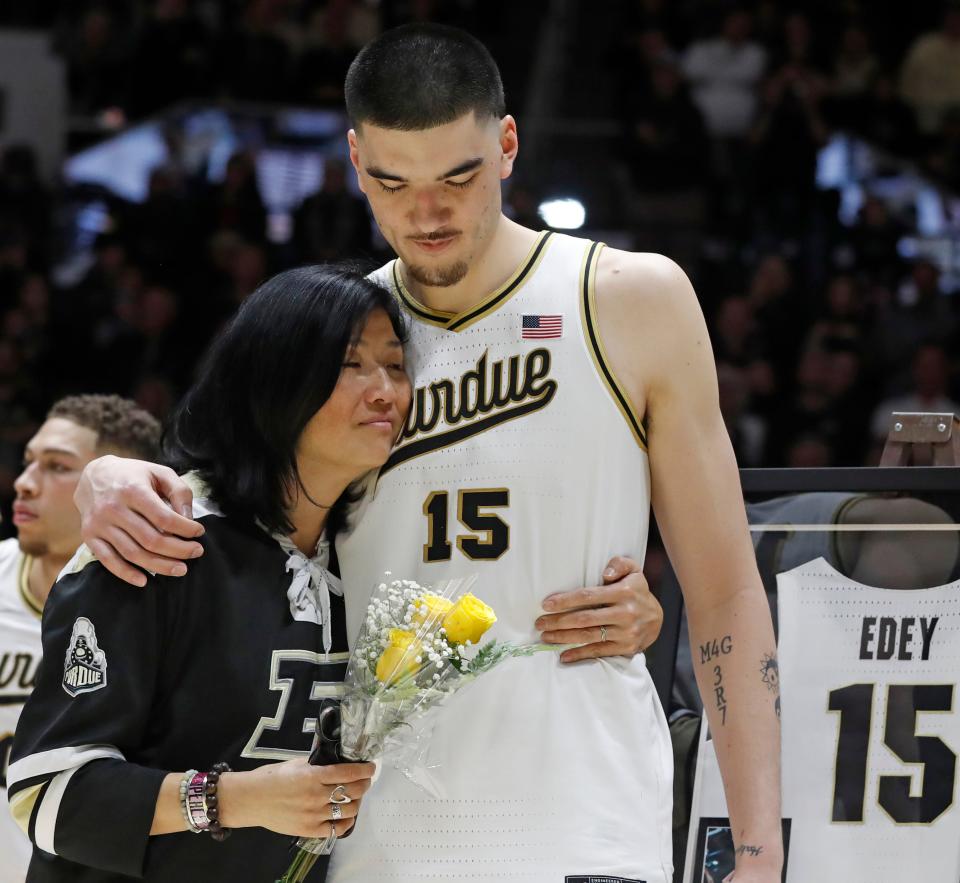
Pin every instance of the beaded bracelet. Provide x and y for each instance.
(199, 803)
(211, 803)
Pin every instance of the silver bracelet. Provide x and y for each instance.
(184, 785)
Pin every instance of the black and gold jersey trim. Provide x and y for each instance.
(25, 804)
(492, 302)
(434, 317)
(23, 581)
(588, 315)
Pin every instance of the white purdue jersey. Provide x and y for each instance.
(20, 651)
(871, 728)
(523, 463)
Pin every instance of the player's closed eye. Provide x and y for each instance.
(48, 465)
(387, 189)
(460, 185)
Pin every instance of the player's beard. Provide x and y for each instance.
(438, 277)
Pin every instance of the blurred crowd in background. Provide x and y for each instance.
(718, 113)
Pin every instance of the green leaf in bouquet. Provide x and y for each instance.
(494, 652)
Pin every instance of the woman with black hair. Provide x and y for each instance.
(162, 713)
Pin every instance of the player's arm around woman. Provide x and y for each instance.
(657, 340)
(138, 513)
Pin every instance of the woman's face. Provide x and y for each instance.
(355, 429)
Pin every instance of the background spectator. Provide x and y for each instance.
(333, 222)
(930, 79)
(666, 146)
(724, 73)
(170, 58)
(929, 390)
(97, 53)
(887, 120)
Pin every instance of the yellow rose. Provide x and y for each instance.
(431, 609)
(399, 658)
(468, 620)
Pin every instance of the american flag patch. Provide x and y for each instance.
(540, 327)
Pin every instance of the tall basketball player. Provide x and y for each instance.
(76, 430)
(560, 387)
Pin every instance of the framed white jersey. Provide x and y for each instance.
(871, 732)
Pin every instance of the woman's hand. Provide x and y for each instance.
(619, 618)
(294, 797)
(137, 513)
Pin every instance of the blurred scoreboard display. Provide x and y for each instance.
(862, 569)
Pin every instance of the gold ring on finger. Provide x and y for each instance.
(603, 633)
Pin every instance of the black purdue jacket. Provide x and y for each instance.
(136, 683)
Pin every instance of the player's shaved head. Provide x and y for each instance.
(420, 76)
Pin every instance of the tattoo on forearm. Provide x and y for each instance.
(743, 849)
(715, 649)
(718, 694)
(770, 673)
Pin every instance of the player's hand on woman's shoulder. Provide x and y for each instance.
(137, 513)
(619, 618)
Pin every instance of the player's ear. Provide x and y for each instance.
(353, 143)
(509, 145)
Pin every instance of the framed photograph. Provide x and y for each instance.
(715, 857)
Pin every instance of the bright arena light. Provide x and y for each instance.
(563, 214)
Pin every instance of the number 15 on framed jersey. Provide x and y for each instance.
(871, 730)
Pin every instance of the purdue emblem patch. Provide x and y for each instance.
(85, 668)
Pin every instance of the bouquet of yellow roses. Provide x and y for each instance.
(417, 646)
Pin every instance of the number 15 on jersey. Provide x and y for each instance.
(482, 533)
